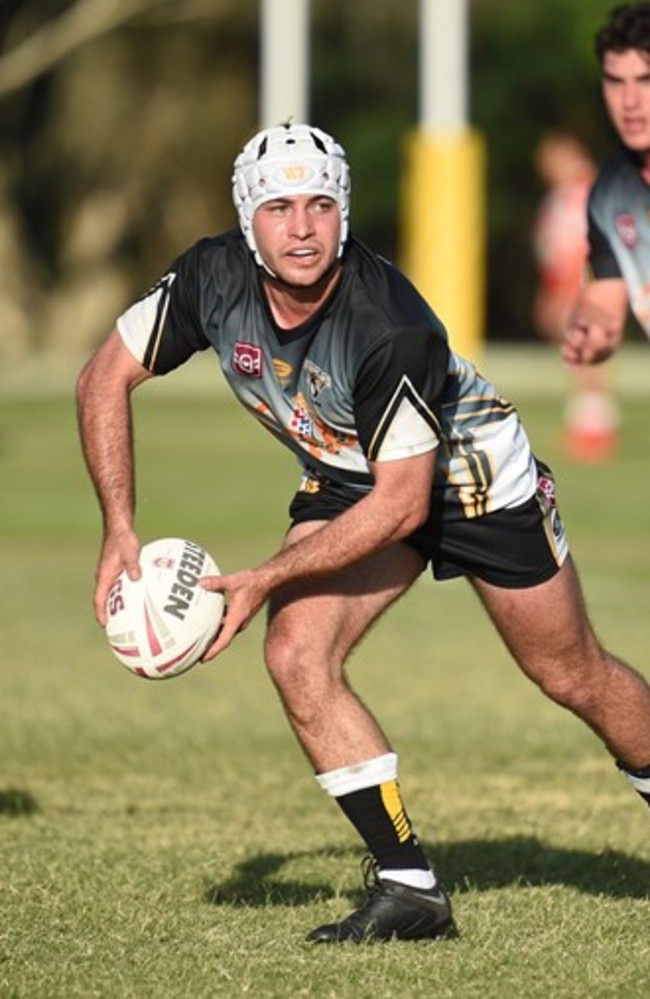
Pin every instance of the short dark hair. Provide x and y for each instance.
(627, 27)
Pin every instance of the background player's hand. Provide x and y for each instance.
(591, 337)
(245, 595)
(119, 551)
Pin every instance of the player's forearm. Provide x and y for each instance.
(105, 430)
(367, 527)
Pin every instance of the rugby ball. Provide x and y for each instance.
(161, 624)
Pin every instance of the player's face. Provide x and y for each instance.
(626, 90)
(298, 237)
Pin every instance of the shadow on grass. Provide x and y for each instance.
(473, 865)
(15, 803)
(482, 865)
(253, 884)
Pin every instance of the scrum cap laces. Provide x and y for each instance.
(285, 160)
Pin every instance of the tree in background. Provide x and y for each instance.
(120, 118)
(117, 154)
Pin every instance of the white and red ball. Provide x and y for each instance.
(161, 624)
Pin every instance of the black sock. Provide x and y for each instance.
(640, 780)
(378, 815)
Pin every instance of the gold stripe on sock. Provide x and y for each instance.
(392, 802)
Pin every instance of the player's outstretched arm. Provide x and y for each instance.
(597, 324)
(396, 506)
(105, 430)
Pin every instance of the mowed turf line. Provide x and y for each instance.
(167, 839)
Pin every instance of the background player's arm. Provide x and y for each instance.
(104, 413)
(597, 324)
(397, 505)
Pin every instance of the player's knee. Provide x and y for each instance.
(300, 676)
(290, 661)
(573, 686)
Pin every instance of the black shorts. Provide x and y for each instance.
(516, 547)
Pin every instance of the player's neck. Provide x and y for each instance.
(292, 305)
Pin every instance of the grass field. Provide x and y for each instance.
(167, 841)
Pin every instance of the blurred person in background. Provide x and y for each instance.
(560, 246)
(619, 202)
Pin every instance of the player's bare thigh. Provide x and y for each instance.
(545, 627)
(329, 616)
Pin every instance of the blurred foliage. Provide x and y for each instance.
(119, 153)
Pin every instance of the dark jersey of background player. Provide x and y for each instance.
(619, 230)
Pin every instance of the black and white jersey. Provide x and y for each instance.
(619, 230)
(369, 378)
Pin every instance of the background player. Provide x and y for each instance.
(619, 204)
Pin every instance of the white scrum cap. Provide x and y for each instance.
(286, 160)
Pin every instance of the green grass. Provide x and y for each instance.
(167, 840)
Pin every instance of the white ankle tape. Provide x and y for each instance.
(641, 784)
(345, 780)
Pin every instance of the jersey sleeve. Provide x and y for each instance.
(601, 260)
(163, 328)
(398, 392)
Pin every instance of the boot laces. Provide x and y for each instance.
(370, 873)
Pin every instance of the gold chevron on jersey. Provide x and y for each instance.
(283, 369)
(407, 427)
(478, 408)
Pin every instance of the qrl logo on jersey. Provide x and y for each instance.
(546, 486)
(626, 228)
(247, 360)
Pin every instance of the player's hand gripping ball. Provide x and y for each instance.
(161, 624)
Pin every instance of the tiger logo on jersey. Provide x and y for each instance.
(317, 380)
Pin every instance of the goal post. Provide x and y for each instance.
(442, 230)
(443, 180)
